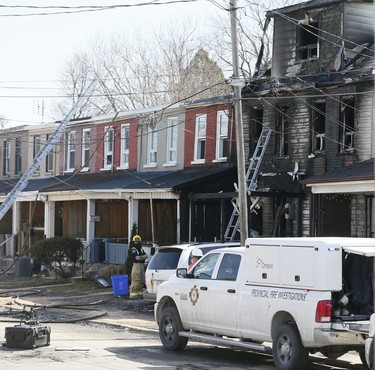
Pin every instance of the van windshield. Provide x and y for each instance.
(165, 259)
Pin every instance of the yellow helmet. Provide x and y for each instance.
(135, 237)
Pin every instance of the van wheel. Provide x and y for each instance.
(169, 327)
(288, 350)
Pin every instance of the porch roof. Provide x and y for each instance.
(358, 177)
(121, 179)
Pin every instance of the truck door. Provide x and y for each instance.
(223, 295)
(195, 298)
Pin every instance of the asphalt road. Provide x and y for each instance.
(94, 346)
(99, 331)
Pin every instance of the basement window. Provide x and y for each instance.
(307, 40)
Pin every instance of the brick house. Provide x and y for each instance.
(317, 175)
(113, 171)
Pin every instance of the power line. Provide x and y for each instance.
(82, 9)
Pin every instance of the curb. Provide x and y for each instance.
(129, 327)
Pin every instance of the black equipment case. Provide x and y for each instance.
(27, 336)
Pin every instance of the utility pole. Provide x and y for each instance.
(237, 86)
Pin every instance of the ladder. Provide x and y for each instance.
(52, 140)
(251, 183)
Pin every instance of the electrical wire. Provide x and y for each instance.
(83, 9)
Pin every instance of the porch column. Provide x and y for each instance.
(133, 208)
(16, 230)
(49, 219)
(178, 225)
(90, 222)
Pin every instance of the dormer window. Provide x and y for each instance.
(307, 40)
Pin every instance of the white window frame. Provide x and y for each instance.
(6, 161)
(18, 156)
(37, 145)
(85, 149)
(221, 135)
(200, 138)
(49, 157)
(125, 135)
(108, 147)
(70, 151)
(171, 147)
(152, 143)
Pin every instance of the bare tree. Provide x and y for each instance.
(170, 65)
(137, 72)
(253, 34)
(3, 121)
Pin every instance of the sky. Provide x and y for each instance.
(34, 48)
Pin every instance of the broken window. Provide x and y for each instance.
(307, 40)
(318, 122)
(256, 126)
(282, 136)
(346, 129)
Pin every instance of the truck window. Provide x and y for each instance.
(205, 267)
(228, 269)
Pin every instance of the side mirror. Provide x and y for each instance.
(181, 273)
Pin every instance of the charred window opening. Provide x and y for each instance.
(346, 129)
(318, 123)
(307, 41)
(256, 126)
(282, 128)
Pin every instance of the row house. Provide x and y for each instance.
(168, 170)
(317, 174)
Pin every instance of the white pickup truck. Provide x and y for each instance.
(291, 296)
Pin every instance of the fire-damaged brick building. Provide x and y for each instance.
(317, 173)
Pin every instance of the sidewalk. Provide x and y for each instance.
(50, 305)
(138, 315)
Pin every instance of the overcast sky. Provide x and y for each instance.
(35, 48)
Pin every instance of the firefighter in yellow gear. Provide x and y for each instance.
(138, 270)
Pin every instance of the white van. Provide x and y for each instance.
(166, 260)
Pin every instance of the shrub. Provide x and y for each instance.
(57, 252)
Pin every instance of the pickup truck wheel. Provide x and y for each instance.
(287, 349)
(362, 356)
(169, 327)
